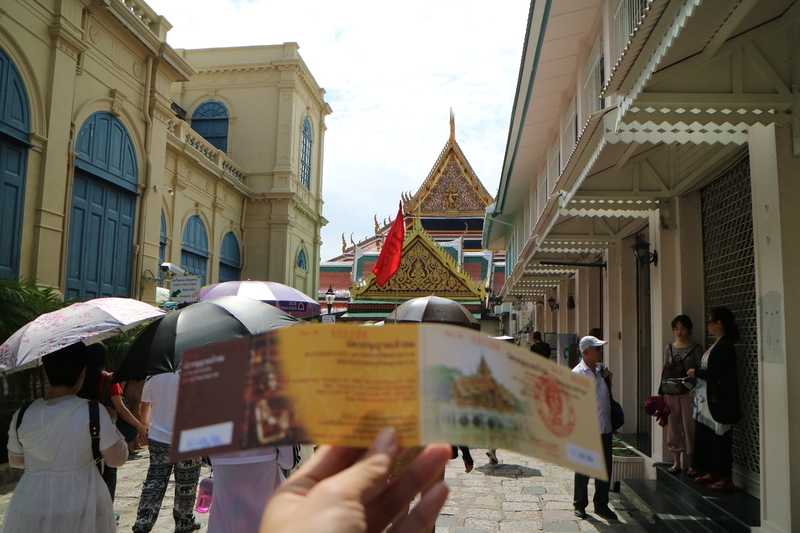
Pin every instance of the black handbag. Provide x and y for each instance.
(617, 414)
(673, 377)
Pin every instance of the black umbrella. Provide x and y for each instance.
(158, 348)
(433, 309)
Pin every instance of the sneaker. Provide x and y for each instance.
(606, 513)
(492, 455)
(581, 513)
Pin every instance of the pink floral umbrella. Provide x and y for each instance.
(282, 296)
(90, 321)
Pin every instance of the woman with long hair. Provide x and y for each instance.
(679, 356)
(716, 402)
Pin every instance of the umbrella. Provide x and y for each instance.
(158, 348)
(433, 309)
(90, 321)
(281, 296)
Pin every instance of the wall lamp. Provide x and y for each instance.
(552, 303)
(570, 302)
(517, 303)
(641, 248)
(169, 189)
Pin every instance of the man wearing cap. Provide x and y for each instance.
(592, 352)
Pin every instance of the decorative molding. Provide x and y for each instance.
(67, 40)
(119, 100)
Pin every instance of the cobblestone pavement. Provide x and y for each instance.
(520, 494)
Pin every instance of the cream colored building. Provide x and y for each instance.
(672, 123)
(119, 153)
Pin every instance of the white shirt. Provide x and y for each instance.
(162, 391)
(601, 394)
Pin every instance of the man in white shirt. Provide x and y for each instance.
(158, 411)
(592, 352)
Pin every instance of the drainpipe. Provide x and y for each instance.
(147, 112)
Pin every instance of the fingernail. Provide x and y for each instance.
(386, 441)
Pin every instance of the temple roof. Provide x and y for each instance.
(426, 268)
(452, 189)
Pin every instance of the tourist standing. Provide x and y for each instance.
(158, 411)
(61, 490)
(592, 350)
(679, 357)
(716, 402)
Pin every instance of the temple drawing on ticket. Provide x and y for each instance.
(470, 406)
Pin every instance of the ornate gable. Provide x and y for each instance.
(425, 269)
(452, 188)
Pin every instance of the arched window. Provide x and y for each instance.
(14, 135)
(229, 259)
(162, 240)
(305, 155)
(301, 260)
(103, 212)
(194, 248)
(211, 121)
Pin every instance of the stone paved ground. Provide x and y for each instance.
(520, 494)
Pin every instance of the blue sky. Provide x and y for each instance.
(392, 71)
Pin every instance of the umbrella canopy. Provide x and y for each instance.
(90, 321)
(433, 309)
(158, 348)
(281, 296)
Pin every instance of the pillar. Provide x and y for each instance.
(776, 218)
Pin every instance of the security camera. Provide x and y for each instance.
(172, 270)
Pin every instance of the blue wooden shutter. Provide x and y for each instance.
(103, 212)
(211, 121)
(14, 137)
(194, 248)
(229, 259)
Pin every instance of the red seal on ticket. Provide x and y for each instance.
(554, 406)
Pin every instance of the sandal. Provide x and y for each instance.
(674, 470)
(691, 472)
(724, 483)
(708, 478)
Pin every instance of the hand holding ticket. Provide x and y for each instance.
(342, 384)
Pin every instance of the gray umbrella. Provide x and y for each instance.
(433, 309)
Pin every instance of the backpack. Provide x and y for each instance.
(94, 429)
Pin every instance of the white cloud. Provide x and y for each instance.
(392, 72)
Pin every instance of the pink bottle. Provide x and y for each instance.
(204, 495)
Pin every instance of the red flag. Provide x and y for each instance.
(392, 252)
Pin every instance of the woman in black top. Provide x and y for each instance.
(716, 406)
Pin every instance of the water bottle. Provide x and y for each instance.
(204, 495)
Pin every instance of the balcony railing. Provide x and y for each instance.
(627, 17)
(214, 155)
(151, 20)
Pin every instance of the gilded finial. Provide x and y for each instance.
(351, 239)
(452, 126)
(377, 227)
(344, 244)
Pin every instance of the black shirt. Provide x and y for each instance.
(542, 348)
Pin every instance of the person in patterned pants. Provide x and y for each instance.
(158, 410)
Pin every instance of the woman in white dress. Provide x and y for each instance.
(243, 485)
(61, 490)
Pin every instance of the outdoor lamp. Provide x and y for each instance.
(517, 303)
(570, 302)
(641, 248)
(552, 303)
(330, 296)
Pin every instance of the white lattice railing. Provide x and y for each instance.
(214, 155)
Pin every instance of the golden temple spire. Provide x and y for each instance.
(452, 126)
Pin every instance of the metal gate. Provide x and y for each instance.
(729, 278)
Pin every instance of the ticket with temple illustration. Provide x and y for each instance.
(342, 384)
